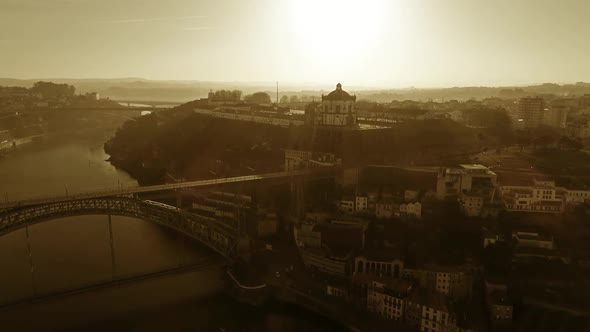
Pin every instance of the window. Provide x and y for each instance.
(337, 108)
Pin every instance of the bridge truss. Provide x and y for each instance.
(215, 235)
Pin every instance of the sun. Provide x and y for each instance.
(338, 32)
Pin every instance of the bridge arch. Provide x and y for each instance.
(221, 239)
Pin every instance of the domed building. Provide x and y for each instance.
(338, 109)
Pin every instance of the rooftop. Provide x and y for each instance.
(474, 167)
(338, 94)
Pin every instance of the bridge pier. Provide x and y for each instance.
(113, 262)
(31, 265)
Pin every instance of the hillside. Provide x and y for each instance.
(188, 145)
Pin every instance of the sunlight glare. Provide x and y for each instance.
(338, 32)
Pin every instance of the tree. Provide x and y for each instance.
(294, 99)
(226, 95)
(284, 99)
(258, 98)
(50, 90)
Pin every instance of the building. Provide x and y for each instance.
(302, 159)
(428, 311)
(384, 209)
(411, 210)
(347, 205)
(579, 128)
(332, 262)
(236, 210)
(542, 197)
(556, 114)
(387, 297)
(454, 281)
(500, 308)
(375, 263)
(92, 96)
(575, 197)
(471, 204)
(338, 109)
(455, 181)
(338, 287)
(499, 305)
(410, 195)
(533, 240)
(361, 203)
(296, 159)
(338, 239)
(532, 111)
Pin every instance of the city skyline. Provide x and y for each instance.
(375, 44)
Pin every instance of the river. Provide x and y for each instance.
(75, 251)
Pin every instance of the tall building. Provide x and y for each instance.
(556, 114)
(532, 111)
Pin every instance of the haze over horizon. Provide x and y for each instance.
(373, 43)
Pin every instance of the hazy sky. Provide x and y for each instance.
(366, 42)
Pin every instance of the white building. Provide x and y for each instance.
(455, 181)
(411, 210)
(577, 196)
(542, 197)
(361, 203)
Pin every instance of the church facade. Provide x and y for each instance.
(338, 109)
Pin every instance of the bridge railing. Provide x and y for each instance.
(119, 191)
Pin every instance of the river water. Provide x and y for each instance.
(76, 251)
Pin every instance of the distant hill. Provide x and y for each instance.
(139, 89)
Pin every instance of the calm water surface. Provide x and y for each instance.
(76, 251)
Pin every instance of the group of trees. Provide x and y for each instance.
(50, 90)
(543, 138)
(258, 98)
(236, 96)
(46, 90)
(296, 99)
(225, 95)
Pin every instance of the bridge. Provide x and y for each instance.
(218, 236)
(122, 191)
